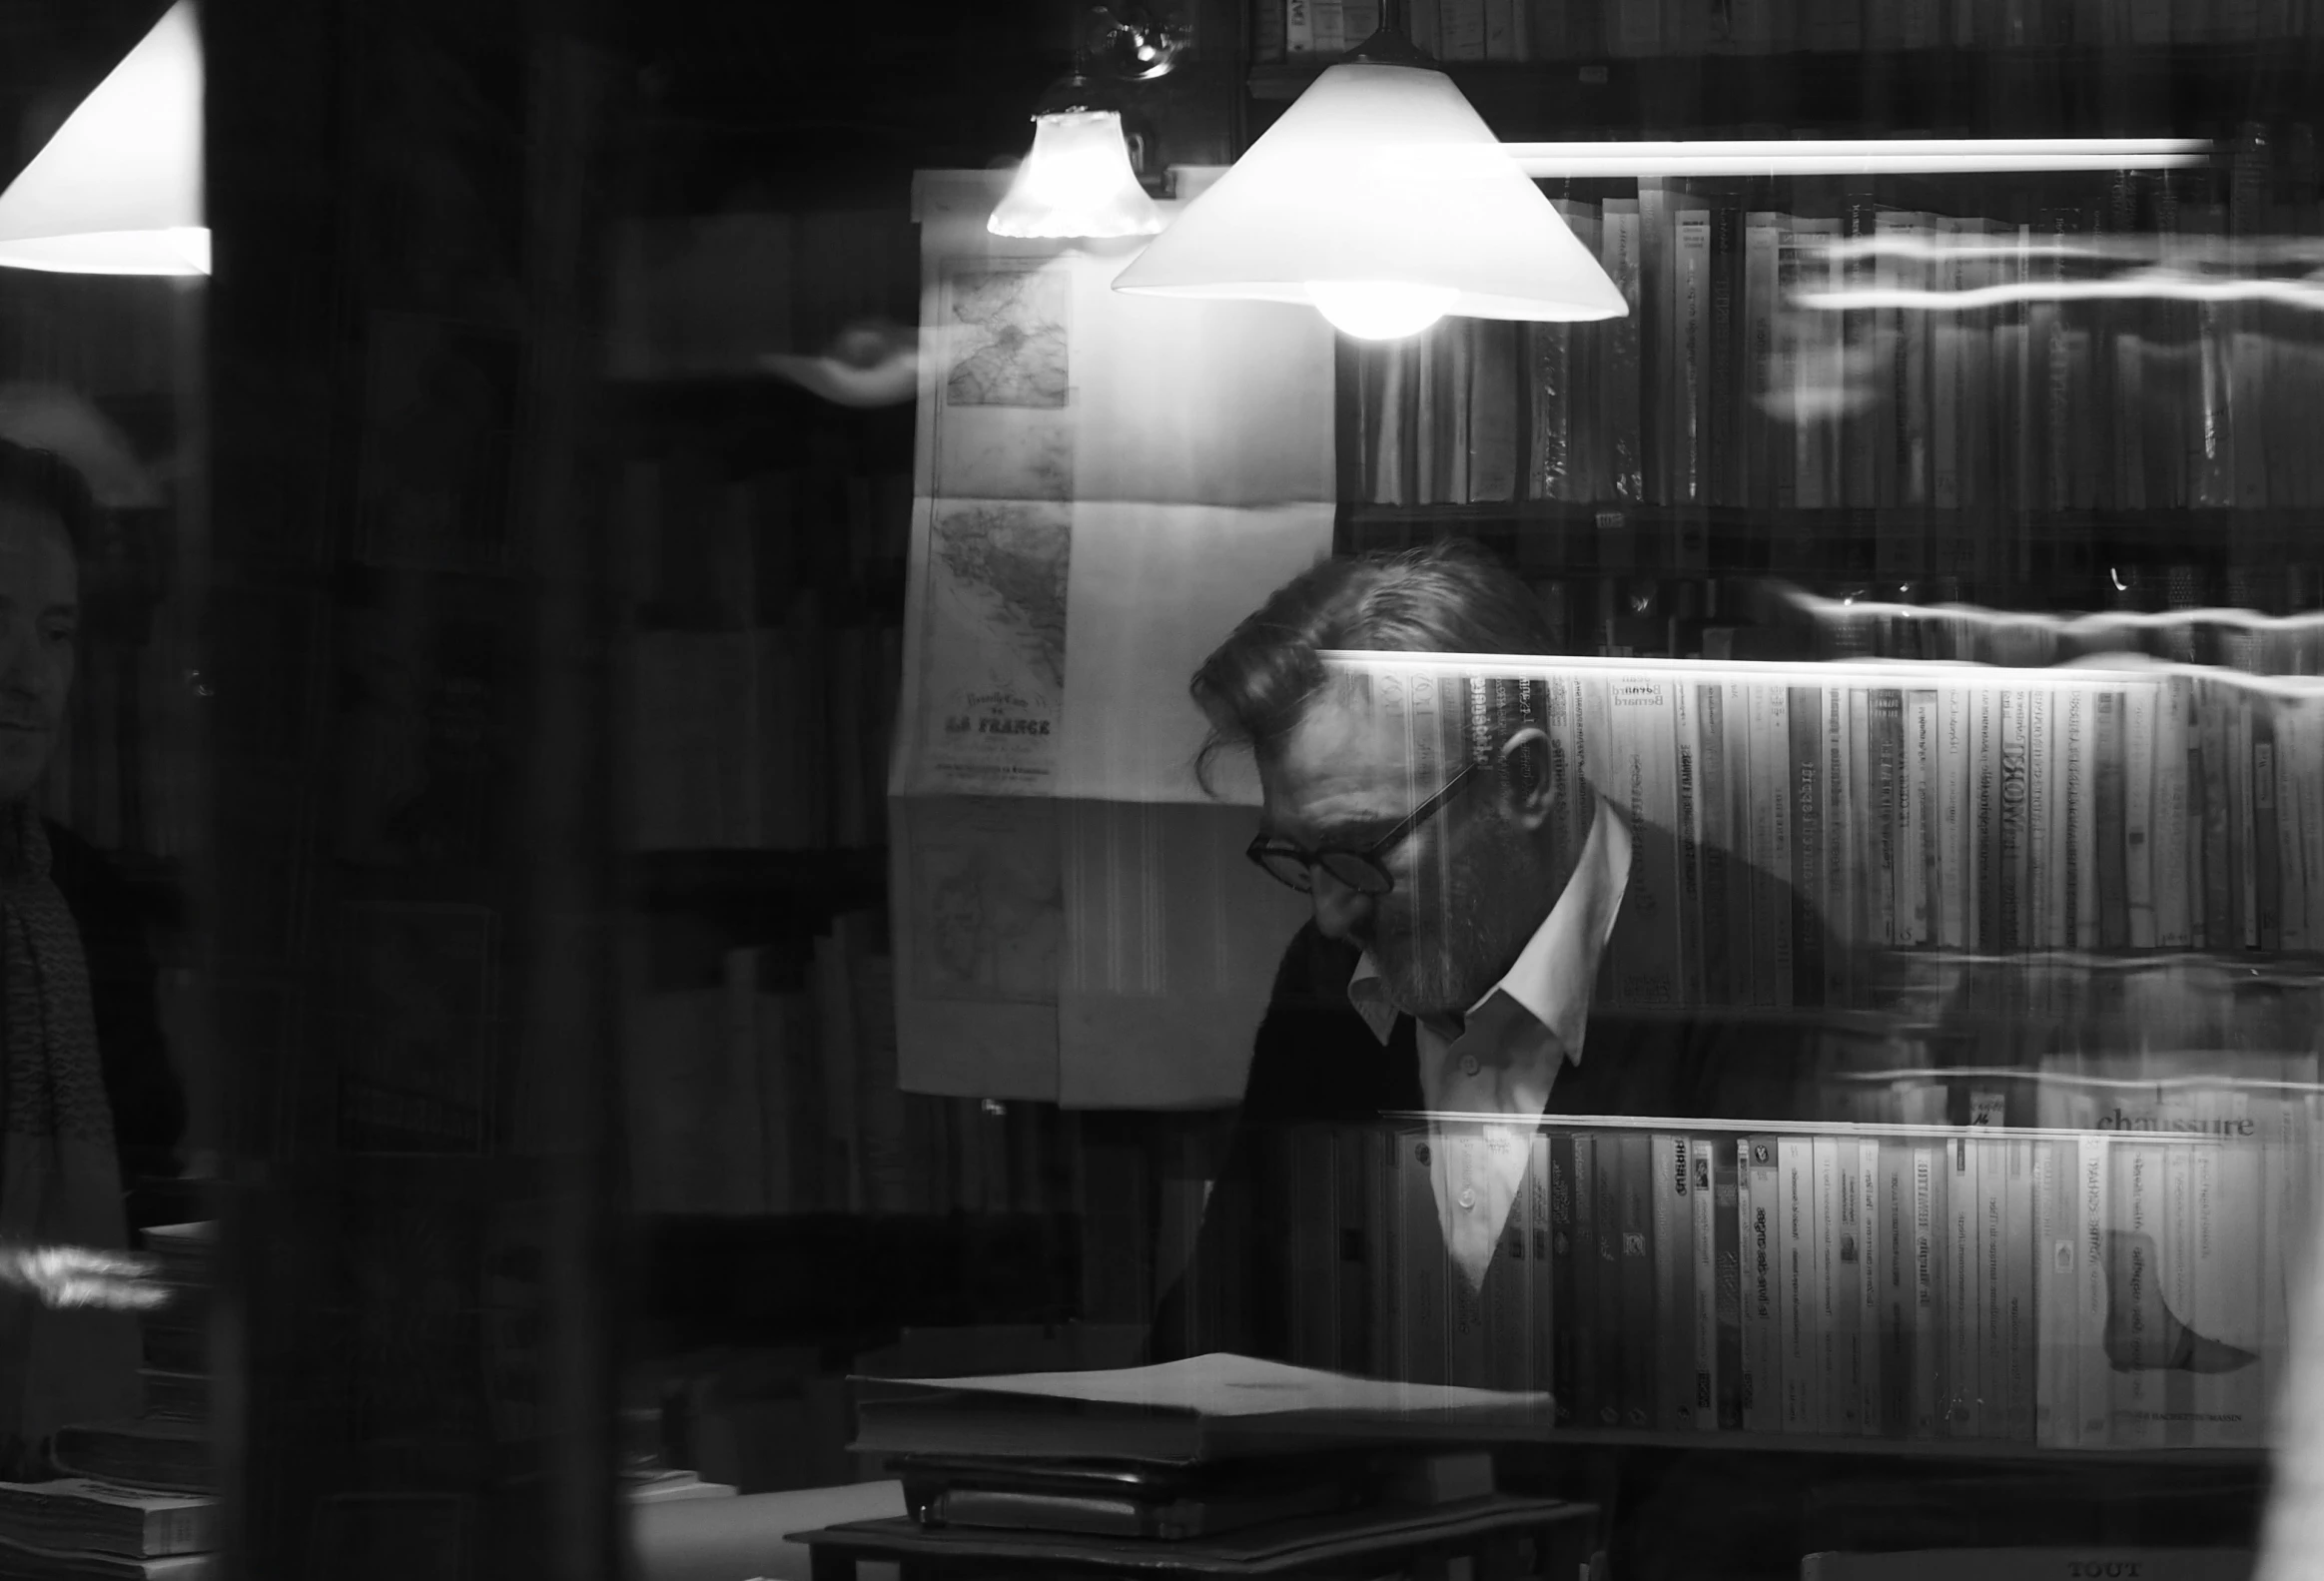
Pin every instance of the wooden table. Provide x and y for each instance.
(1364, 1543)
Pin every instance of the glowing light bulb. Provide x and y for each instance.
(191, 242)
(1075, 182)
(1380, 310)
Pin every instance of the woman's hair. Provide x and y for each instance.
(42, 481)
(1449, 597)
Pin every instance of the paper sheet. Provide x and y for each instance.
(1224, 1384)
(1107, 486)
(978, 914)
(1171, 944)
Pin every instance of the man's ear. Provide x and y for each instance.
(1528, 788)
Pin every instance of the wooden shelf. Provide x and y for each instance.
(675, 880)
(1952, 1449)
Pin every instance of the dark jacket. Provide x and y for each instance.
(146, 1099)
(1315, 1061)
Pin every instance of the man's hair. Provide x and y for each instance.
(42, 481)
(1449, 597)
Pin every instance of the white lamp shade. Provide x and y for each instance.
(1075, 182)
(118, 189)
(1379, 176)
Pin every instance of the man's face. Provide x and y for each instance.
(1469, 886)
(39, 627)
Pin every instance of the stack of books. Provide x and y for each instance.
(134, 1500)
(1183, 1450)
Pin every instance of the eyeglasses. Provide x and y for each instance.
(1360, 871)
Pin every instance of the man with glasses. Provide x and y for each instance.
(1461, 918)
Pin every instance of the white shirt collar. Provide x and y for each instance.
(1552, 976)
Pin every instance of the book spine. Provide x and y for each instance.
(1539, 1315)
(1640, 1314)
(1922, 874)
(1592, 1307)
(1810, 902)
(2012, 821)
(1801, 1363)
(1687, 721)
(2016, 1243)
(2267, 844)
(1929, 1349)
(1871, 1419)
(1299, 27)
(1848, 814)
(1731, 1242)
(1839, 1230)
(2083, 827)
(2219, 928)
(1492, 412)
(1620, 347)
(1564, 1305)
(1896, 1285)
(2135, 1344)
(1984, 814)
(1715, 937)
(1738, 959)
(1674, 1281)
(1765, 1326)
(1657, 333)
(1965, 1290)
(2135, 774)
(1690, 358)
(1951, 896)
(1704, 1287)
(2094, 1383)
(1772, 909)
(2055, 1423)
(1646, 945)
(2044, 848)
(2296, 754)
(1762, 240)
(2178, 884)
(1619, 1333)
(1884, 791)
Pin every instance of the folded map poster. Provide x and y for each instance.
(1106, 485)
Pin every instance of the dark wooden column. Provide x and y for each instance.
(405, 897)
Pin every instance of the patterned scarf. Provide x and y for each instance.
(60, 1176)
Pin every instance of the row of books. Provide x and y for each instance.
(1554, 30)
(757, 1097)
(701, 545)
(1727, 386)
(2037, 813)
(773, 738)
(2102, 1290)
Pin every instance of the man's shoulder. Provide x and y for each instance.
(1315, 1058)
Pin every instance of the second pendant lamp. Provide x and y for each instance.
(1383, 200)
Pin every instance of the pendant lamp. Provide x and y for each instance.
(1383, 199)
(1078, 180)
(117, 189)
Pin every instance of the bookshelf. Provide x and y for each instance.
(2082, 503)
